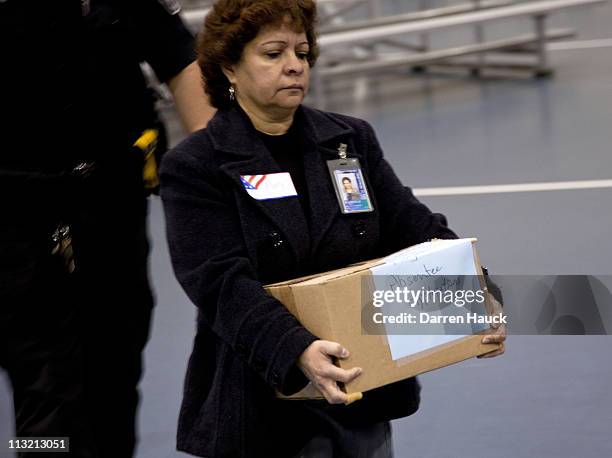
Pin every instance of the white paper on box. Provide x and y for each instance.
(440, 257)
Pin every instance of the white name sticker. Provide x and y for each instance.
(269, 186)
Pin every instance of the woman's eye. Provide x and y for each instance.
(302, 55)
(272, 55)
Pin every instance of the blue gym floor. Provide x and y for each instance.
(547, 396)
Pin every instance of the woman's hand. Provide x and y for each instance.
(317, 364)
(495, 334)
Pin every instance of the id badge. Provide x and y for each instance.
(350, 186)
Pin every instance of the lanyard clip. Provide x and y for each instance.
(342, 150)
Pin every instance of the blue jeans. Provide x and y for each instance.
(363, 442)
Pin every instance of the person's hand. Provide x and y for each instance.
(496, 333)
(495, 336)
(317, 364)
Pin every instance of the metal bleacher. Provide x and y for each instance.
(352, 47)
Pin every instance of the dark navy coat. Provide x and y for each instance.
(225, 245)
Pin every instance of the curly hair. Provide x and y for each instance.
(231, 24)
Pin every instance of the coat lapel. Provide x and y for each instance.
(232, 133)
(320, 131)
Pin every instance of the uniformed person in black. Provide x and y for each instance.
(75, 301)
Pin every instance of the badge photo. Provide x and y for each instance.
(350, 186)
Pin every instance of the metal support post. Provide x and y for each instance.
(542, 68)
(480, 38)
(424, 42)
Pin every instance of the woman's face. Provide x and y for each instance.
(272, 76)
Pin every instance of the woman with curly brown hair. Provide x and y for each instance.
(249, 201)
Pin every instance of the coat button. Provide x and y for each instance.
(241, 349)
(276, 240)
(359, 230)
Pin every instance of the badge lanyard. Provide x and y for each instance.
(349, 183)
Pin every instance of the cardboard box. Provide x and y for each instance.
(330, 305)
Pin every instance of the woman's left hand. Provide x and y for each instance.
(495, 334)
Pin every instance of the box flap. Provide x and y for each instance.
(424, 249)
(335, 274)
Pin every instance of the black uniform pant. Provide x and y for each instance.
(72, 343)
(40, 345)
(110, 240)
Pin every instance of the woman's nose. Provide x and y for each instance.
(294, 64)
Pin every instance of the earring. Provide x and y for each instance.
(232, 93)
